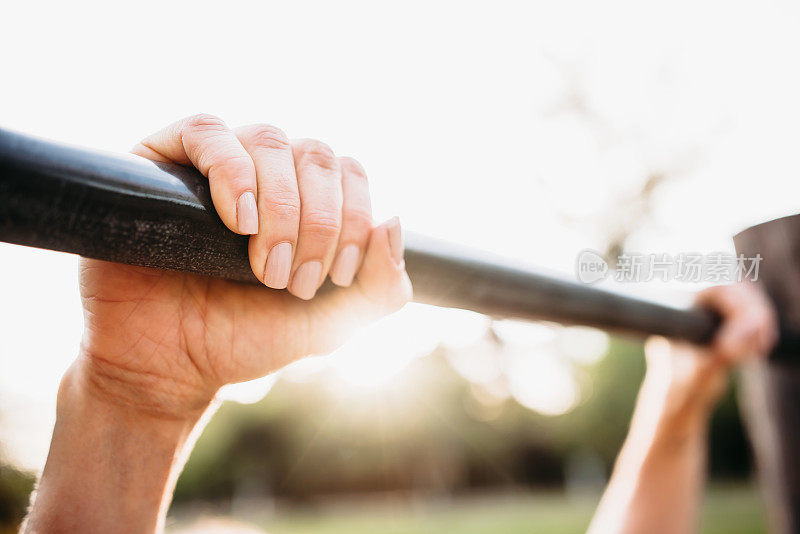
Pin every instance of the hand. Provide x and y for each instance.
(692, 377)
(164, 342)
(157, 345)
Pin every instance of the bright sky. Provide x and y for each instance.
(464, 115)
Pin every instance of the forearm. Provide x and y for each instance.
(659, 475)
(658, 479)
(111, 468)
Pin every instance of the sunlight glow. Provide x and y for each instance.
(480, 363)
(541, 381)
(529, 361)
(525, 332)
(582, 344)
(249, 392)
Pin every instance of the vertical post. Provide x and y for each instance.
(770, 393)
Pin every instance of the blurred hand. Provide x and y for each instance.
(164, 342)
(695, 377)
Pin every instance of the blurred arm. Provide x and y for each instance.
(658, 479)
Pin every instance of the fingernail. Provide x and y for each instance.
(247, 213)
(307, 279)
(278, 266)
(344, 268)
(396, 240)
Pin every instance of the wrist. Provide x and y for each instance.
(85, 389)
(685, 381)
(111, 467)
(685, 402)
(159, 395)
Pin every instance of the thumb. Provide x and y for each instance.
(382, 287)
(383, 280)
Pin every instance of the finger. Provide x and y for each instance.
(727, 300)
(271, 250)
(734, 341)
(319, 181)
(382, 278)
(382, 287)
(356, 223)
(748, 322)
(206, 142)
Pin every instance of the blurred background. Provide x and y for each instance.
(529, 130)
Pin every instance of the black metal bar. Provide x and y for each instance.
(450, 276)
(127, 209)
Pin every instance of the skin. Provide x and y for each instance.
(658, 479)
(158, 345)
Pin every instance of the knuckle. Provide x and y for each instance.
(205, 121)
(268, 136)
(351, 166)
(357, 220)
(235, 168)
(323, 226)
(319, 154)
(284, 208)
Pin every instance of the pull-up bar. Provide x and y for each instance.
(127, 209)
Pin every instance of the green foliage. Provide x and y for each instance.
(428, 433)
(15, 489)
